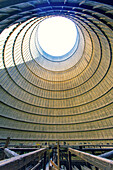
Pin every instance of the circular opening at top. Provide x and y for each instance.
(57, 35)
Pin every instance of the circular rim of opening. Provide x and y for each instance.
(60, 57)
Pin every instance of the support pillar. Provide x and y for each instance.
(58, 151)
(44, 160)
(69, 160)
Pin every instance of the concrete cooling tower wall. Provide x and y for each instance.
(43, 99)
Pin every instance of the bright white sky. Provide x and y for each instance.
(57, 35)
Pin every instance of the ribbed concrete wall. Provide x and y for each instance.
(43, 100)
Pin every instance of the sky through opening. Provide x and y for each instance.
(57, 35)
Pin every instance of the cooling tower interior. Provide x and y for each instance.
(46, 98)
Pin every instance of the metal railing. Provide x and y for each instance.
(21, 161)
(101, 163)
(38, 159)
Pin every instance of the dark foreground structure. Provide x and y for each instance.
(44, 99)
(57, 157)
